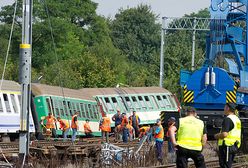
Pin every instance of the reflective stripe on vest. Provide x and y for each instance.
(190, 133)
(160, 135)
(233, 135)
(106, 124)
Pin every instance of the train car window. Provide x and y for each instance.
(61, 107)
(91, 111)
(78, 109)
(69, 107)
(154, 102)
(73, 108)
(82, 109)
(56, 102)
(102, 104)
(62, 112)
(106, 100)
(49, 105)
(1, 106)
(57, 112)
(65, 108)
(160, 101)
(15, 106)
(173, 101)
(5, 98)
(148, 102)
(109, 106)
(142, 102)
(87, 111)
(121, 103)
(135, 102)
(114, 100)
(129, 104)
(19, 98)
(95, 112)
(167, 102)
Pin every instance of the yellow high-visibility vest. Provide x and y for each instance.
(190, 133)
(233, 135)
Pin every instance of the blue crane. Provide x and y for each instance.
(223, 77)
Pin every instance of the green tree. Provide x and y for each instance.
(86, 71)
(136, 33)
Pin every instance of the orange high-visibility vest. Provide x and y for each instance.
(160, 135)
(87, 128)
(50, 122)
(106, 124)
(73, 123)
(124, 121)
(64, 125)
(144, 129)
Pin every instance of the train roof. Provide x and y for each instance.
(42, 89)
(89, 93)
(9, 85)
(123, 90)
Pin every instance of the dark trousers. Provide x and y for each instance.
(225, 157)
(184, 154)
(136, 129)
(54, 135)
(89, 135)
(125, 135)
(159, 149)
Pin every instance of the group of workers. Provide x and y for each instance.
(65, 127)
(188, 136)
(129, 128)
(125, 128)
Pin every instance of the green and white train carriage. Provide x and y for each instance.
(148, 102)
(64, 103)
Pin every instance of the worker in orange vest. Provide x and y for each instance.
(135, 121)
(143, 131)
(87, 129)
(159, 139)
(50, 124)
(105, 127)
(125, 131)
(64, 126)
(74, 126)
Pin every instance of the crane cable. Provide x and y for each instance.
(56, 57)
(6, 60)
(10, 38)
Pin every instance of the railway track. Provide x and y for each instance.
(240, 162)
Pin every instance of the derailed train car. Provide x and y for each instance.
(149, 102)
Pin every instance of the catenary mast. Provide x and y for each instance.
(25, 78)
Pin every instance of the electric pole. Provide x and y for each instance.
(185, 23)
(25, 78)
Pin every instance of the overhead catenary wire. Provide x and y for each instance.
(10, 38)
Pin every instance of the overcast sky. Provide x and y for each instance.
(167, 8)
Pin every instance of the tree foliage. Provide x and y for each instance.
(92, 51)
